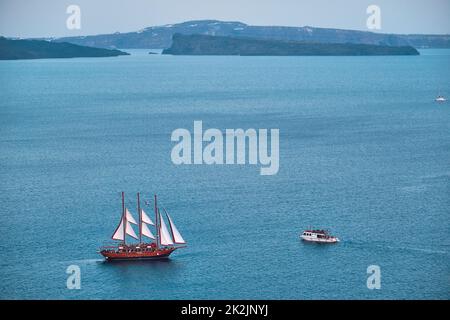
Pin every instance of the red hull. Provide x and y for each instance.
(155, 254)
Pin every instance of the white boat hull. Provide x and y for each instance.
(319, 240)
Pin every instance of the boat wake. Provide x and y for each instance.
(383, 246)
(425, 250)
(83, 261)
(417, 188)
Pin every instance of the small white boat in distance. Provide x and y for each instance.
(440, 99)
(319, 236)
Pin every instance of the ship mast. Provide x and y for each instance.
(156, 224)
(124, 218)
(140, 218)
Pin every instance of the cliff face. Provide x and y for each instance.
(214, 45)
(161, 36)
(39, 49)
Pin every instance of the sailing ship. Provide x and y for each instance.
(160, 247)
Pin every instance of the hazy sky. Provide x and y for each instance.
(44, 18)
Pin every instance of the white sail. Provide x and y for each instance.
(130, 217)
(145, 218)
(177, 238)
(129, 230)
(118, 234)
(146, 231)
(165, 240)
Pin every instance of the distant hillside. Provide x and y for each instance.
(161, 36)
(215, 45)
(38, 49)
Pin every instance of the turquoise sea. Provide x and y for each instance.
(364, 151)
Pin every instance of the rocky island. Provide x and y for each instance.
(197, 44)
(160, 37)
(40, 49)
